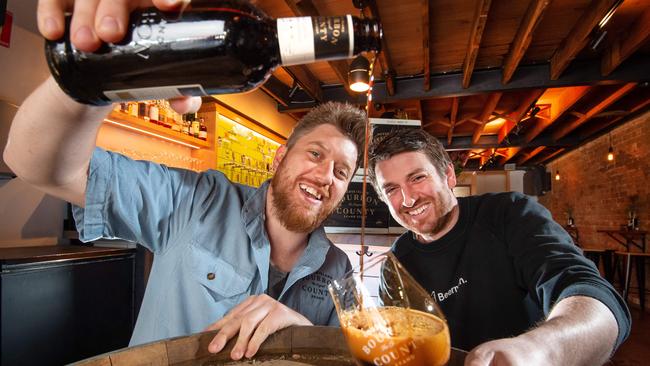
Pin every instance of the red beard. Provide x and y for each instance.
(294, 215)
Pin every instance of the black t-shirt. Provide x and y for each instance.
(502, 267)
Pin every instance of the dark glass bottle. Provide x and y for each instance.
(226, 47)
(203, 129)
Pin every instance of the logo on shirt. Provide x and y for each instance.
(315, 285)
(442, 296)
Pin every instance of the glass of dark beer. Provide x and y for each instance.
(387, 318)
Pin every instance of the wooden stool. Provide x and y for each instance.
(602, 257)
(639, 259)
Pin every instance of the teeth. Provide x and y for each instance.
(418, 211)
(311, 191)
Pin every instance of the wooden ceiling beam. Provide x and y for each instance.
(307, 8)
(490, 141)
(604, 104)
(623, 47)
(453, 115)
(478, 26)
(510, 153)
(276, 90)
(578, 36)
(385, 61)
(525, 157)
(519, 113)
(488, 108)
(549, 156)
(307, 80)
(600, 127)
(426, 35)
(524, 35)
(569, 97)
(487, 81)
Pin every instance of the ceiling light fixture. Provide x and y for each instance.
(358, 77)
(610, 151)
(609, 14)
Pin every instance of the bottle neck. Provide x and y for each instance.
(304, 40)
(368, 34)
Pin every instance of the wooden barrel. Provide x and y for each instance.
(294, 346)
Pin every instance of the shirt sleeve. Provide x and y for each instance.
(138, 201)
(551, 266)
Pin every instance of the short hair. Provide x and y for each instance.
(406, 140)
(348, 120)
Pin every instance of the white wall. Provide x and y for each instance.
(22, 66)
(493, 181)
(27, 216)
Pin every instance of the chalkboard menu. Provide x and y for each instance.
(347, 217)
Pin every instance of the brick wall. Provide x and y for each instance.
(598, 190)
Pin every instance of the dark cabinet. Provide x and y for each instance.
(61, 304)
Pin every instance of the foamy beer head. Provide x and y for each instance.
(388, 319)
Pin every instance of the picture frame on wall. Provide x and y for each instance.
(5, 27)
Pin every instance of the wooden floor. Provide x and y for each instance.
(635, 351)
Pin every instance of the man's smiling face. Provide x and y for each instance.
(417, 196)
(312, 178)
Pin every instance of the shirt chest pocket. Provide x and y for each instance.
(222, 280)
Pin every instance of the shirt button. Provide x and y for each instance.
(210, 276)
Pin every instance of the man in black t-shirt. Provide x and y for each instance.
(511, 283)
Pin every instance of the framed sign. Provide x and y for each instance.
(347, 217)
(5, 27)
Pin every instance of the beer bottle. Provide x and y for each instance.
(228, 46)
(203, 129)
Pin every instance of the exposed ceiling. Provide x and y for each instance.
(474, 70)
(506, 81)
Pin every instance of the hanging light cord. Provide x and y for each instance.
(364, 248)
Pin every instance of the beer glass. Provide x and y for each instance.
(387, 318)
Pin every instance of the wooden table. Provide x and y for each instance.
(627, 238)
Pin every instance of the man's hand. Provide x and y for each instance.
(97, 21)
(508, 352)
(93, 21)
(254, 319)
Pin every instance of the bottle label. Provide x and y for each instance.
(305, 39)
(162, 92)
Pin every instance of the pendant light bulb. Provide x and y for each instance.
(557, 175)
(610, 154)
(358, 77)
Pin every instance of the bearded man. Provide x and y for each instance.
(239, 259)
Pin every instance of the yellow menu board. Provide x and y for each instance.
(243, 155)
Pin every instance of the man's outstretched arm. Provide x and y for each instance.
(578, 331)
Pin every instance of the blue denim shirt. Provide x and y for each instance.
(210, 246)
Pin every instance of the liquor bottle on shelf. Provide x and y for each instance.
(143, 113)
(153, 112)
(226, 46)
(186, 126)
(196, 126)
(203, 130)
(133, 109)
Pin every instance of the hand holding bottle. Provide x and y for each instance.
(97, 21)
(93, 21)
